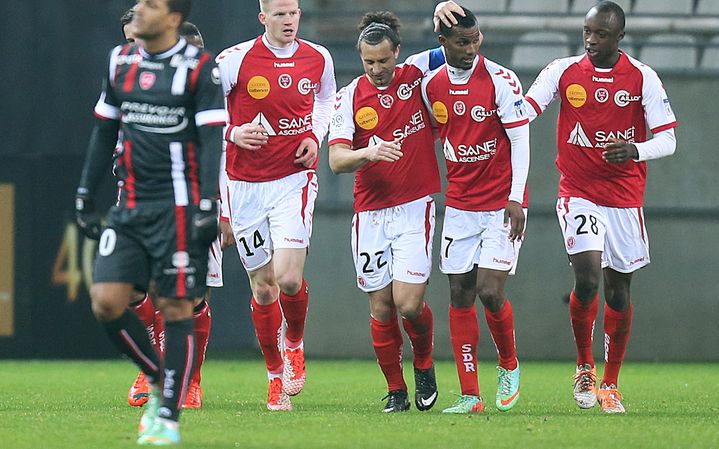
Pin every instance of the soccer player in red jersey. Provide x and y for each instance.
(609, 102)
(279, 93)
(167, 97)
(381, 131)
(479, 111)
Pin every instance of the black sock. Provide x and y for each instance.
(128, 334)
(180, 353)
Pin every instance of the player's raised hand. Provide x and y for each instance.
(250, 136)
(385, 151)
(306, 153)
(618, 151)
(514, 217)
(443, 12)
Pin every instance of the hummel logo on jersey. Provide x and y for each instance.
(282, 65)
(459, 92)
(578, 137)
(599, 79)
(261, 120)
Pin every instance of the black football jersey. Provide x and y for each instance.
(161, 101)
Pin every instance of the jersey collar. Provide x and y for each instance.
(165, 54)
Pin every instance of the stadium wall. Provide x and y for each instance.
(58, 51)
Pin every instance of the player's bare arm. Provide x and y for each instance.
(443, 12)
(250, 136)
(618, 151)
(344, 160)
(514, 217)
(306, 153)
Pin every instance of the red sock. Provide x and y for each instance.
(145, 311)
(582, 317)
(268, 322)
(387, 342)
(617, 327)
(203, 323)
(501, 325)
(294, 309)
(464, 333)
(421, 335)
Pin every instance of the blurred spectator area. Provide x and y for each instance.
(676, 36)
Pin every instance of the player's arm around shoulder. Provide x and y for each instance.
(545, 88)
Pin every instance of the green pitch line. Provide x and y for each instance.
(79, 405)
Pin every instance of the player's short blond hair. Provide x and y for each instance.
(265, 4)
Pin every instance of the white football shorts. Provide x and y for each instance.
(271, 214)
(214, 265)
(619, 233)
(477, 238)
(394, 243)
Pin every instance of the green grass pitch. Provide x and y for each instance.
(83, 405)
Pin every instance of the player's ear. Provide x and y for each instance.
(442, 40)
(396, 51)
(481, 38)
(262, 18)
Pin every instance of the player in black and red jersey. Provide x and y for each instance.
(166, 95)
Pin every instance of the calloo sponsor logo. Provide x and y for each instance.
(622, 98)
(601, 95)
(440, 112)
(479, 114)
(147, 80)
(258, 87)
(284, 80)
(305, 86)
(404, 91)
(576, 95)
(366, 118)
(459, 107)
(386, 100)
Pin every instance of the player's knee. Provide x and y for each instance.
(105, 306)
(411, 309)
(265, 293)
(290, 283)
(586, 287)
(492, 298)
(460, 296)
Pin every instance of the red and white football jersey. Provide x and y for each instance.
(366, 115)
(472, 109)
(289, 91)
(596, 105)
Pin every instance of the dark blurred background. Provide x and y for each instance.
(55, 52)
